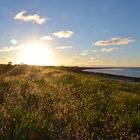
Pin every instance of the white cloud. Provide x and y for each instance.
(64, 47)
(48, 38)
(95, 51)
(63, 34)
(10, 48)
(91, 58)
(33, 18)
(108, 49)
(85, 52)
(114, 41)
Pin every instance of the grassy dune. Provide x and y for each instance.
(47, 103)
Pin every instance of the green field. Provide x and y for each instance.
(49, 103)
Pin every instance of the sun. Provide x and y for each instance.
(37, 53)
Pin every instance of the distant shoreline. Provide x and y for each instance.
(80, 70)
(111, 76)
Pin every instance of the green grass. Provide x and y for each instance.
(48, 103)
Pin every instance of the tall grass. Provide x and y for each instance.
(42, 103)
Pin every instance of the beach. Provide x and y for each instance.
(105, 75)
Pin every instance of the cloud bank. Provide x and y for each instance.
(114, 41)
(63, 34)
(32, 18)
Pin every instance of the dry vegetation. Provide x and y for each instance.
(46, 103)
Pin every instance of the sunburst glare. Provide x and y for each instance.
(37, 53)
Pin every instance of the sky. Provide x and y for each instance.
(70, 32)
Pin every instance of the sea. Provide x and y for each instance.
(129, 72)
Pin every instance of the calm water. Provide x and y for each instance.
(130, 72)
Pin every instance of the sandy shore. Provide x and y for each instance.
(111, 76)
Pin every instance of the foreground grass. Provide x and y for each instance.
(38, 103)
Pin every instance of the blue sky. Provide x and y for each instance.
(76, 32)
